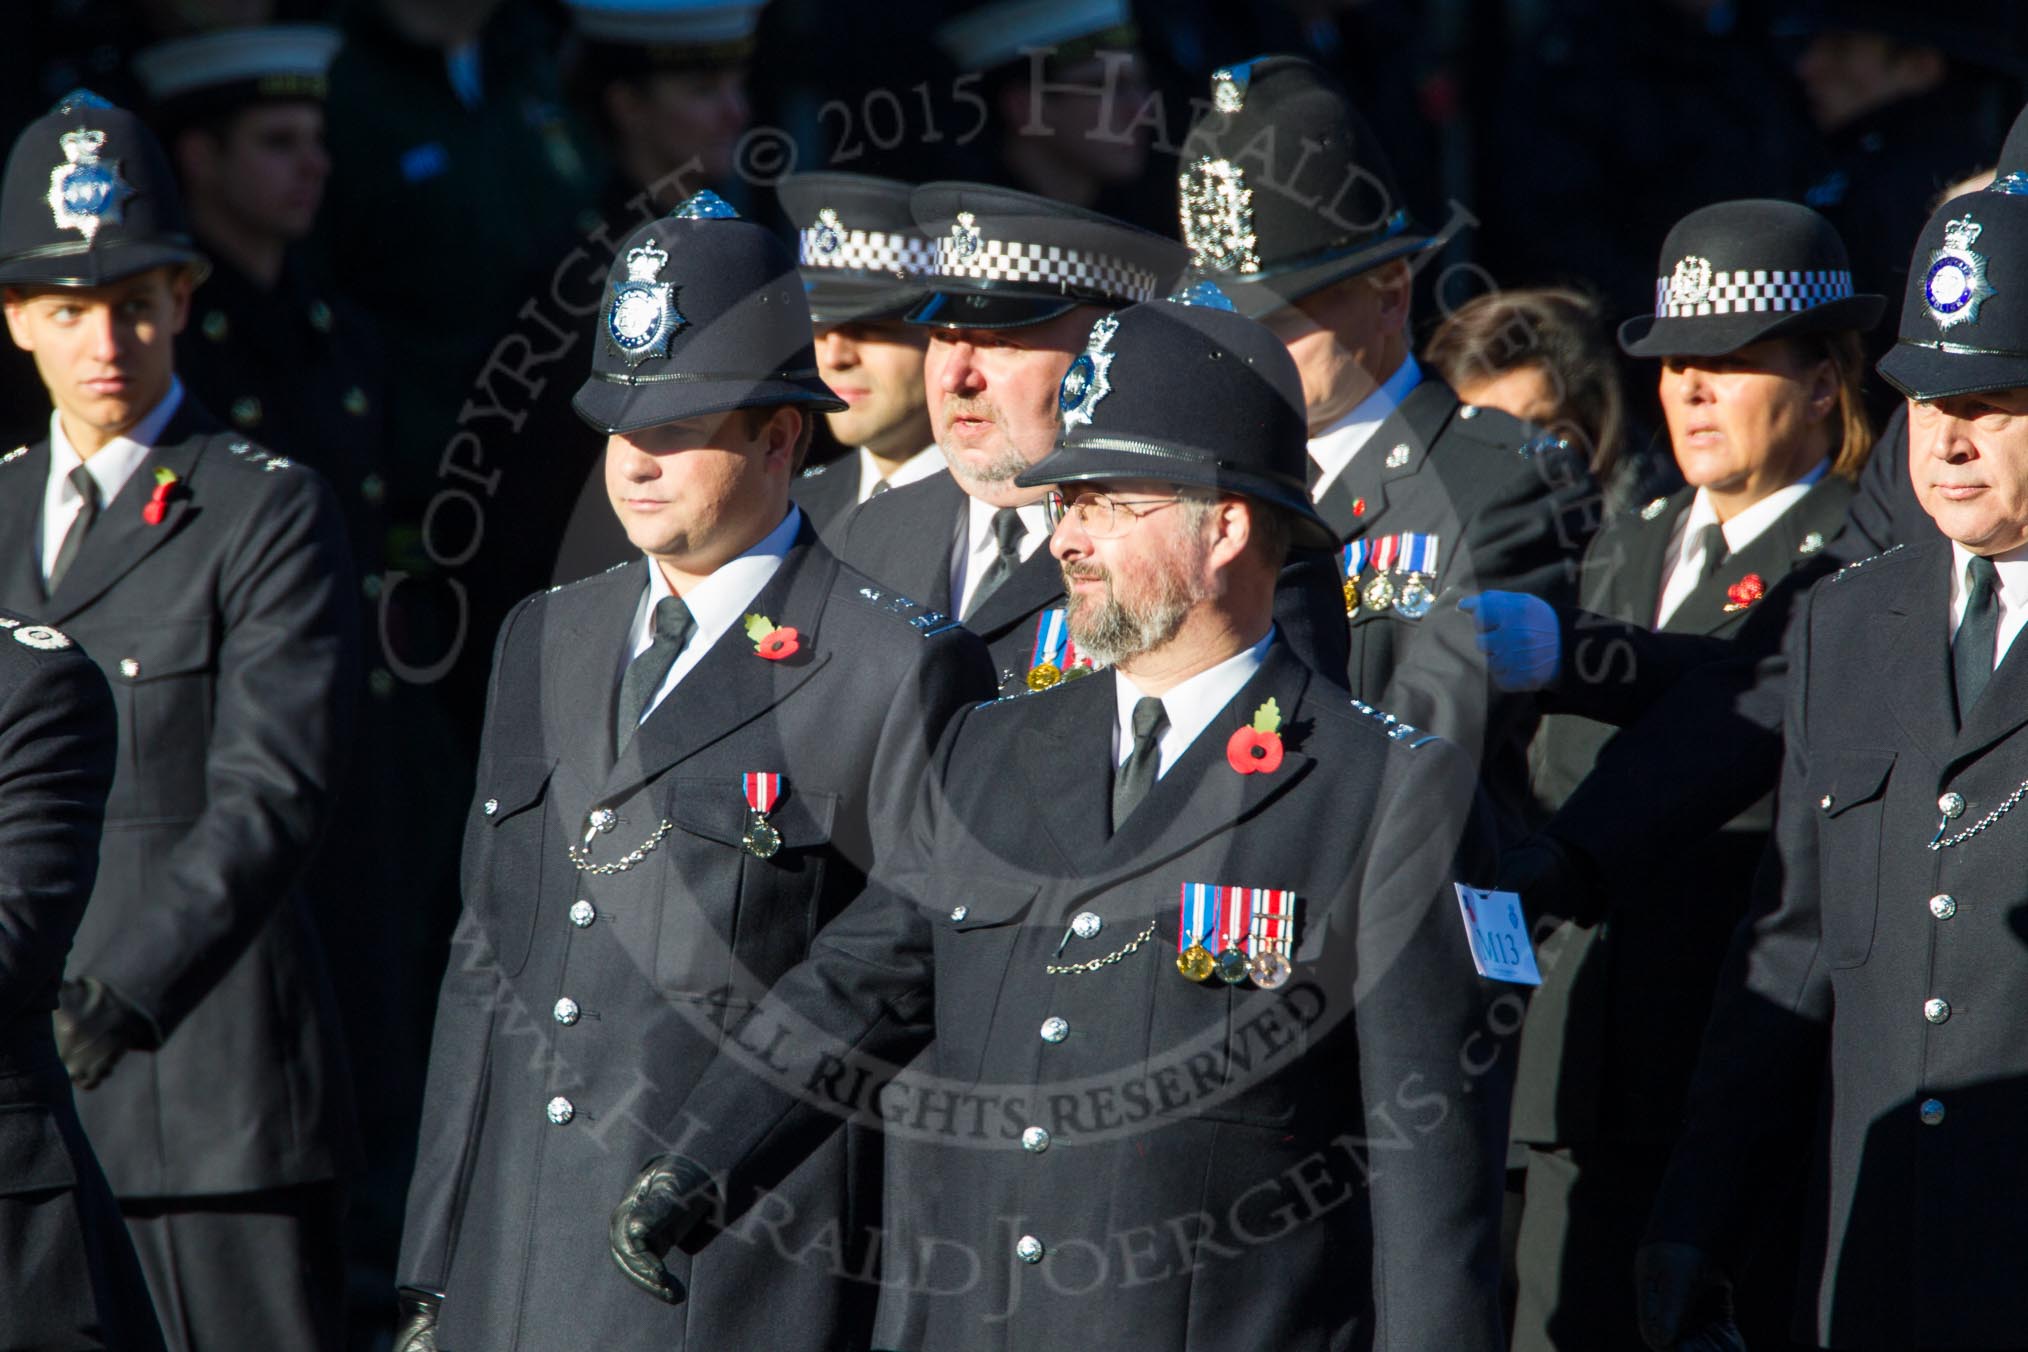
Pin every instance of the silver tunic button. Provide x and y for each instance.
(1826, 802)
(1812, 542)
(1055, 1029)
(561, 1110)
(490, 806)
(1943, 905)
(129, 668)
(1951, 805)
(566, 1011)
(1935, 1010)
(582, 913)
(1398, 457)
(1468, 411)
(1085, 925)
(960, 912)
(1035, 1140)
(602, 819)
(1028, 1249)
(1932, 1112)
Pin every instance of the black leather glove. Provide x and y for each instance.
(94, 1029)
(417, 1331)
(1555, 880)
(668, 1199)
(1685, 1302)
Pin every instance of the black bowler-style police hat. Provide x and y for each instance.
(1284, 189)
(1187, 391)
(1007, 258)
(861, 255)
(1964, 321)
(704, 313)
(88, 199)
(1734, 273)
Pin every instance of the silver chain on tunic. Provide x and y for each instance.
(1069, 968)
(1981, 824)
(625, 861)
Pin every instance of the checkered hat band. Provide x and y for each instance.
(1755, 292)
(869, 251)
(1006, 260)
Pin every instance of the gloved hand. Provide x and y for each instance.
(1685, 1302)
(1520, 635)
(94, 1029)
(1553, 879)
(418, 1308)
(665, 1203)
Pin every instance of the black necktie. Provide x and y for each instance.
(1715, 550)
(1136, 774)
(645, 674)
(1978, 634)
(73, 539)
(1007, 532)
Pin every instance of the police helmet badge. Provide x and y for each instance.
(1086, 382)
(829, 236)
(643, 315)
(1956, 282)
(85, 191)
(1689, 284)
(705, 205)
(966, 237)
(1217, 210)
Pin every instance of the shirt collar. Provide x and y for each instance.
(1334, 447)
(117, 460)
(722, 598)
(980, 533)
(1190, 704)
(2013, 570)
(1752, 523)
(921, 465)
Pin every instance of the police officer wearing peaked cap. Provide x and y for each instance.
(864, 264)
(689, 762)
(1029, 933)
(1286, 201)
(211, 581)
(1883, 955)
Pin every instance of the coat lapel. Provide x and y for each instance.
(904, 539)
(582, 666)
(1636, 553)
(21, 531)
(1772, 554)
(1915, 652)
(1038, 582)
(1067, 765)
(1415, 423)
(2002, 707)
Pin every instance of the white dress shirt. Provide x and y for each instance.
(1335, 446)
(2013, 594)
(1190, 705)
(976, 552)
(1686, 546)
(921, 465)
(716, 603)
(111, 467)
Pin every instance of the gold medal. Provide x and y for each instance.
(1043, 675)
(1196, 962)
(1379, 592)
(1351, 597)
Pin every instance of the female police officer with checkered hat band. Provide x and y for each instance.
(1756, 328)
(1871, 1042)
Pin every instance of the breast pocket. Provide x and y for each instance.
(504, 852)
(743, 916)
(978, 920)
(164, 676)
(1849, 790)
(1223, 1052)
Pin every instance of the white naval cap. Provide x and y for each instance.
(997, 33)
(288, 60)
(685, 23)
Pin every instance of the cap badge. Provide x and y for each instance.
(643, 316)
(705, 205)
(828, 236)
(1956, 283)
(1217, 211)
(1690, 283)
(1204, 296)
(966, 237)
(1085, 383)
(1228, 88)
(85, 191)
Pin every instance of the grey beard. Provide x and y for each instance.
(1001, 469)
(1110, 632)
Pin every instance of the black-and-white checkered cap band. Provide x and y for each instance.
(1757, 291)
(824, 246)
(1007, 260)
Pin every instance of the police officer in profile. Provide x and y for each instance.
(71, 1279)
(1195, 1077)
(210, 579)
(241, 112)
(863, 264)
(1288, 203)
(689, 763)
(1864, 1038)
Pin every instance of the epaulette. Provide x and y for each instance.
(13, 455)
(921, 618)
(37, 636)
(1395, 729)
(1861, 563)
(248, 454)
(813, 471)
(593, 578)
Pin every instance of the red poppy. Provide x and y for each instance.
(1745, 592)
(1253, 752)
(157, 505)
(777, 644)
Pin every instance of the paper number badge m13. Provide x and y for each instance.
(1498, 935)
